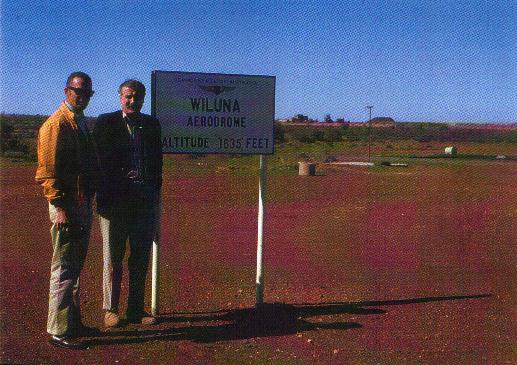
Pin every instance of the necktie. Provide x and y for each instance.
(130, 125)
(135, 145)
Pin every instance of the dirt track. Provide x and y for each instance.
(406, 266)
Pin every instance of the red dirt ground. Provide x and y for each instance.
(383, 266)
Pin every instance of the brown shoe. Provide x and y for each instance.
(111, 319)
(148, 320)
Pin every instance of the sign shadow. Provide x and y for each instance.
(267, 320)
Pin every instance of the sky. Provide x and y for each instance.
(413, 60)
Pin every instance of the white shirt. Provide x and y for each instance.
(79, 119)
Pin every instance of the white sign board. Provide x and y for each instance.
(214, 113)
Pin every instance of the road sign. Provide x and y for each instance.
(214, 113)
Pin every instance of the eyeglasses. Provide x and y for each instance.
(81, 92)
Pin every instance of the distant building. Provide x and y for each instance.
(485, 126)
(451, 150)
(383, 122)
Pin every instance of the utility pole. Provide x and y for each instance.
(370, 107)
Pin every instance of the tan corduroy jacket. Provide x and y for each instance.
(59, 169)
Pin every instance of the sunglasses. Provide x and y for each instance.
(81, 92)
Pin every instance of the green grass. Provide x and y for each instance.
(284, 162)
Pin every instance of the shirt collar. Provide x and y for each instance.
(135, 115)
(78, 114)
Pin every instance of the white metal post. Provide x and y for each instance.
(155, 274)
(259, 285)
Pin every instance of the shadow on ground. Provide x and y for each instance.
(275, 319)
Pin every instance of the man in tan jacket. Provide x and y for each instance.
(66, 170)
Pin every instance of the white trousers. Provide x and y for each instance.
(69, 253)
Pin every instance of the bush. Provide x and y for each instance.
(332, 135)
(330, 158)
(305, 135)
(9, 142)
(279, 132)
(6, 132)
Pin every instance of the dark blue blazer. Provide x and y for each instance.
(113, 147)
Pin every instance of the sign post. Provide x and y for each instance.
(155, 264)
(204, 113)
(259, 284)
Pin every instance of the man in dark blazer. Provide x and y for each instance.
(128, 145)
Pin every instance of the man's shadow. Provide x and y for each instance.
(266, 320)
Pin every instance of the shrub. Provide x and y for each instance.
(279, 132)
(305, 135)
(332, 135)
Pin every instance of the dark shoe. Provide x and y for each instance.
(145, 319)
(66, 342)
(85, 331)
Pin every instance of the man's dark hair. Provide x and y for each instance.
(79, 74)
(133, 84)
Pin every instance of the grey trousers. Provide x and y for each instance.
(69, 253)
(135, 224)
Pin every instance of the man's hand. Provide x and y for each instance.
(61, 219)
